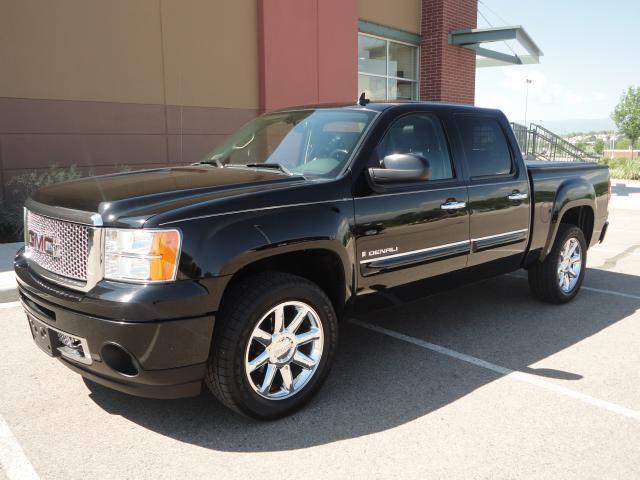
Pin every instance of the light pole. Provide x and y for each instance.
(526, 100)
(612, 144)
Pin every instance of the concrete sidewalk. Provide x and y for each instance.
(7, 251)
(7, 278)
(625, 194)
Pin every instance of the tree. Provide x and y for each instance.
(581, 144)
(622, 144)
(598, 146)
(626, 115)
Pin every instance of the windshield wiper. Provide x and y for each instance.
(272, 166)
(215, 160)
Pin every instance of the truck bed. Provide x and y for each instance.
(548, 179)
(545, 165)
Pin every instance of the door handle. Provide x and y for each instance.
(453, 205)
(515, 196)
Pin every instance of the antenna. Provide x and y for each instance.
(362, 100)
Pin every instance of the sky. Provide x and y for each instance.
(591, 55)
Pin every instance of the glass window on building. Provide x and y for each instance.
(387, 70)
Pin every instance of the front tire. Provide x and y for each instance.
(273, 345)
(559, 278)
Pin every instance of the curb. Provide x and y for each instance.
(8, 287)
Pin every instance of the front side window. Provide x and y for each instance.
(387, 70)
(420, 134)
(314, 142)
(485, 146)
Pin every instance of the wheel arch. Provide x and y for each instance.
(318, 263)
(582, 217)
(575, 203)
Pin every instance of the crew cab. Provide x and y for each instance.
(236, 271)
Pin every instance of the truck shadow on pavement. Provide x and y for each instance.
(379, 383)
(623, 190)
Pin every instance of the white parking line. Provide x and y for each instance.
(611, 292)
(591, 289)
(9, 305)
(513, 374)
(14, 462)
(609, 250)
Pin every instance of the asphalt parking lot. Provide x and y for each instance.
(480, 382)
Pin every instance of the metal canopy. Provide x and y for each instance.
(474, 39)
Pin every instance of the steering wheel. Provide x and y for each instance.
(339, 154)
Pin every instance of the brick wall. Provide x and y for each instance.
(621, 153)
(447, 72)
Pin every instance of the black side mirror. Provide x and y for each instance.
(401, 167)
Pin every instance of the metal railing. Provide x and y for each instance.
(536, 142)
(522, 136)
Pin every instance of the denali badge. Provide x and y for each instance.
(382, 251)
(44, 244)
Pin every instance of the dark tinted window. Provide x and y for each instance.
(419, 133)
(485, 146)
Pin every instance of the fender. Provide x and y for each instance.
(233, 242)
(573, 192)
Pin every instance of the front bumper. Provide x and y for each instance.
(169, 354)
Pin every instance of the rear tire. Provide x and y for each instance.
(559, 278)
(274, 342)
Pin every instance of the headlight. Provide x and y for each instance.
(141, 256)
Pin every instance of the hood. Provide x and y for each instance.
(146, 193)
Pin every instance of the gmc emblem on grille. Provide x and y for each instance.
(44, 244)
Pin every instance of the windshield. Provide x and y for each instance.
(302, 142)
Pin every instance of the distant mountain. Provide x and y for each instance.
(579, 125)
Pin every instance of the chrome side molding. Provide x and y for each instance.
(464, 246)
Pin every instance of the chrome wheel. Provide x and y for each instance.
(284, 350)
(570, 265)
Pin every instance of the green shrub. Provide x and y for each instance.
(10, 224)
(623, 168)
(21, 187)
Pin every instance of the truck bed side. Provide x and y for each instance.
(558, 189)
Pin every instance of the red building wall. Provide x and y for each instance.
(308, 51)
(447, 72)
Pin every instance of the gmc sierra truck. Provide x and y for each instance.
(235, 272)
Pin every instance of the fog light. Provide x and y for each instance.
(119, 359)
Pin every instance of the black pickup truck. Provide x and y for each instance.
(237, 270)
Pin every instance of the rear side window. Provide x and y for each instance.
(485, 146)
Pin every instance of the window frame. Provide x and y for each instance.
(415, 81)
(424, 184)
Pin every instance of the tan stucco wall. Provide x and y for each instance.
(112, 50)
(211, 52)
(401, 14)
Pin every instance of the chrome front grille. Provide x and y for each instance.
(57, 246)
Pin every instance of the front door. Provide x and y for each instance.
(413, 230)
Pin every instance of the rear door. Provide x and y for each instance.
(499, 197)
(406, 232)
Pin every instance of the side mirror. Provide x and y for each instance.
(401, 167)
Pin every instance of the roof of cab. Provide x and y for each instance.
(386, 105)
